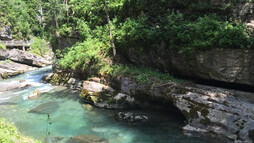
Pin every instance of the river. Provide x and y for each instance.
(71, 118)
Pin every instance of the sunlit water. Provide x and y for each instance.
(71, 118)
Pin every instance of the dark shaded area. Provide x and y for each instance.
(216, 83)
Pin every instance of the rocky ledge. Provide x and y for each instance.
(23, 58)
(225, 65)
(14, 62)
(208, 110)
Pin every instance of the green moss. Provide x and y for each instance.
(2, 46)
(205, 121)
(90, 97)
(84, 93)
(55, 79)
(58, 79)
(204, 112)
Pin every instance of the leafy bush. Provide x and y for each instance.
(9, 134)
(85, 56)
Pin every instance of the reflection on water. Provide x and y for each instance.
(67, 117)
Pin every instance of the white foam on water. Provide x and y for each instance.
(46, 88)
(6, 98)
(25, 97)
(20, 92)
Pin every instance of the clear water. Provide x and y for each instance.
(71, 118)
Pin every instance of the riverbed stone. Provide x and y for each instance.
(87, 139)
(131, 117)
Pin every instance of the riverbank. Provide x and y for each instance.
(208, 110)
(71, 119)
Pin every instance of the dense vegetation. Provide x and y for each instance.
(145, 25)
(184, 26)
(9, 134)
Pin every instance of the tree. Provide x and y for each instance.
(110, 31)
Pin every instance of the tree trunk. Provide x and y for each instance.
(67, 8)
(110, 31)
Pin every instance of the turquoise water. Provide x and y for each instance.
(71, 118)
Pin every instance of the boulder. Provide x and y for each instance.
(47, 78)
(87, 139)
(92, 86)
(34, 94)
(104, 96)
(23, 57)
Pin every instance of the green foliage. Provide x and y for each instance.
(205, 33)
(140, 74)
(2, 46)
(39, 47)
(9, 134)
(87, 55)
(182, 35)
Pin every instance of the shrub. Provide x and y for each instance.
(39, 47)
(9, 134)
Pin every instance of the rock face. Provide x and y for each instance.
(227, 65)
(23, 57)
(216, 111)
(5, 32)
(8, 69)
(63, 43)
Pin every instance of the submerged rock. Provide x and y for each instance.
(131, 117)
(45, 108)
(87, 139)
